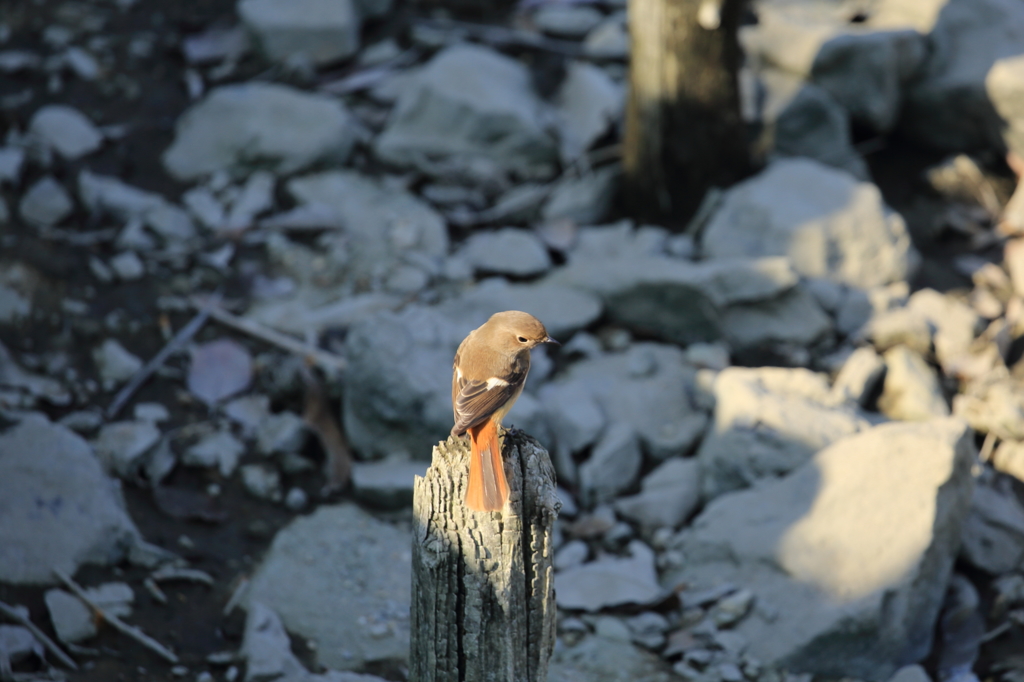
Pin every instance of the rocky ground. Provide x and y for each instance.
(240, 245)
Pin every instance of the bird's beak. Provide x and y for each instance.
(551, 340)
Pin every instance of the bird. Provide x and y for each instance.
(488, 376)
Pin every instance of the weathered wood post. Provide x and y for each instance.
(483, 600)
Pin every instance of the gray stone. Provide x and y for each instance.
(954, 322)
(795, 318)
(994, 405)
(386, 484)
(203, 204)
(127, 266)
(60, 510)
(469, 102)
(121, 445)
(948, 105)
(256, 196)
(994, 530)
(18, 643)
(1005, 87)
(266, 647)
(802, 119)
(769, 421)
(219, 449)
(576, 421)
(12, 160)
(858, 378)
(827, 223)
(668, 496)
(610, 581)
(1008, 458)
(572, 553)
(609, 39)
(248, 412)
(258, 125)
(588, 104)
(66, 130)
(45, 203)
(382, 225)
(567, 21)
(115, 364)
(613, 465)
(598, 659)
(910, 673)
(586, 199)
(281, 433)
(911, 390)
(362, 563)
(262, 481)
(507, 252)
(841, 589)
(108, 195)
(150, 412)
(316, 31)
(72, 619)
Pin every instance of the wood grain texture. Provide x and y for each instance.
(483, 601)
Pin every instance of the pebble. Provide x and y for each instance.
(66, 130)
(262, 481)
(115, 363)
(151, 412)
(45, 203)
(296, 499)
(128, 266)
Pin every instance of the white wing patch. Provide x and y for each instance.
(495, 382)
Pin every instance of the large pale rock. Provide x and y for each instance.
(610, 581)
(588, 103)
(341, 579)
(471, 103)
(613, 465)
(848, 556)
(995, 406)
(57, 507)
(318, 31)
(950, 106)
(768, 421)
(829, 224)
(600, 659)
(794, 319)
(383, 225)
(243, 127)
(668, 495)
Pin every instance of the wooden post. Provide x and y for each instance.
(483, 599)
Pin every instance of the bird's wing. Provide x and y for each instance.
(475, 401)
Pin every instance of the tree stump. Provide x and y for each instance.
(483, 600)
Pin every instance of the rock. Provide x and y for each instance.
(564, 310)
(262, 481)
(954, 322)
(72, 619)
(994, 530)
(120, 445)
(585, 199)
(950, 106)
(994, 405)
(45, 203)
(469, 103)
(829, 225)
(266, 647)
(115, 364)
(668, 496)
(911, 390)
(794, 319)
(910, 673)
(249, 412)
(858, 379)
(598, 659)
(576, 421)
(18, 643)
(12, 160)
(386, 484)
(60, 510)
(219, 449)
(257, 196)
(281, 433)
(588, 103)
(150, 412)
(567, 21)
(258, 125)
(610, 581)
(1005, 87)
(1008, 458)
(36, 386)
(820, 551)
(507, 252)
(127, 266)
(670, 299)
(609, 39)
(362, 563)
(572, 553)
(802, 119)
(108, 195)
(769, 421)
(66, 130)
(612, 467)
(382, 225)
(314, 31)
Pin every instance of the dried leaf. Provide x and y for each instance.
(338, 462)
(219, 369)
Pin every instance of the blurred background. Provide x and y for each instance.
(779, 240)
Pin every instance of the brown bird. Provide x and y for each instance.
(488, 375)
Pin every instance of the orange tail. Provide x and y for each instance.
(487, 489)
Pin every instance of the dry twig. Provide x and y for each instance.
(50, 645)
(318, 415)
(118, 624)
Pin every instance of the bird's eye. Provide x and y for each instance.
(523, 339)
